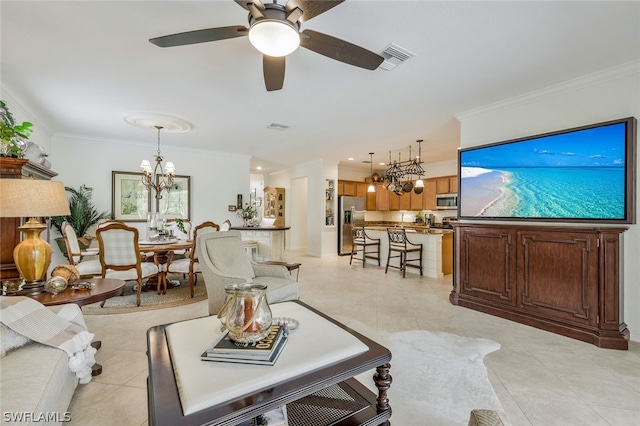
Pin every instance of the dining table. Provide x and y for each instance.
(162, 252)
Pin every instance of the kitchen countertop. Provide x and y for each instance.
(416, 229)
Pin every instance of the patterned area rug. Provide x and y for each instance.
(150, 300)
(438, 378)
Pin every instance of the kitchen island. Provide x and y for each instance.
(437, 248)
(270, 240)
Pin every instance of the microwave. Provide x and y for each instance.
(446, 201)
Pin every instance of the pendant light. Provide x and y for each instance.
(371, 188)
(419, 183)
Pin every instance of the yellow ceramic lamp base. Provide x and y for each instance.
(33, 255)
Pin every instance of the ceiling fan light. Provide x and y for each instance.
(274, 37)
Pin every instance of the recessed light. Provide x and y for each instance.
(259, 168)
(350, 158)
(382, 164)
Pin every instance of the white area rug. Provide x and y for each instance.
(438, 378)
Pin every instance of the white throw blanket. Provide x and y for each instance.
(65, 330)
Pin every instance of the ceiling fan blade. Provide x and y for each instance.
(245, 4)
(311, 8)
(340, 50)
(273, 70)
(200, 36)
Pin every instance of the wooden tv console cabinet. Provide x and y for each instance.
(565, 280)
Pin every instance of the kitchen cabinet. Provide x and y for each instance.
(453, 184)
(429, 194)
(399, 202)
(565, 280)
(352, 188)
(442, 185)
(349, 188)
(416, 201)
(17, 168)
(371, 199)
(382, 198)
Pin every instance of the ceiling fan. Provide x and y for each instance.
(274, 30)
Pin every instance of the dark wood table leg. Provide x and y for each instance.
(383, 380)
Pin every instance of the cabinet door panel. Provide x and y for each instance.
(416, 200)
(442, 185)
(349, 188)
(361, 189)
(453, 184)
(382, 198)
(429, 194)
(371, 200)
(559, 275)
(487, 264)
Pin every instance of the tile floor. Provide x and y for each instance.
(540, 378)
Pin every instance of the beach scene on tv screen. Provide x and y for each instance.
(575, 175)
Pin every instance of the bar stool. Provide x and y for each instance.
(398, 243)
(251, 247)
(360, 242)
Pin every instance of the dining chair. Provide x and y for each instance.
(76, 256)
(226, 226)
(361, 242)
(120, 254)
(399, 243)
(189, 265)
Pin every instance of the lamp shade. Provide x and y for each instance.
(32, 198)
(274, 37)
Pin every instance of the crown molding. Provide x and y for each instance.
(557, 89)
(9, 95)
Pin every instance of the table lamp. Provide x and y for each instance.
(33, 199)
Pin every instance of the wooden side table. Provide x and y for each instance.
(103, 289)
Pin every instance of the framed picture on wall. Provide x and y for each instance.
(176, 200)
(130, 199)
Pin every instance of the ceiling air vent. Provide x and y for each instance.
(394, 55)
(276, 126)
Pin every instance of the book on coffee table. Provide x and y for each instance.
(265, 351)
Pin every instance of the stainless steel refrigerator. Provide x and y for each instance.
(351, 210)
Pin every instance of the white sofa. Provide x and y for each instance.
(36, 384)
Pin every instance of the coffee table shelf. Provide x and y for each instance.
(329, 395)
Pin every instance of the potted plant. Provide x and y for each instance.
(12, 134)
(83, 216)
(247, 213)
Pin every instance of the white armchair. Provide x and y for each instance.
(90, 267)
(224, 261)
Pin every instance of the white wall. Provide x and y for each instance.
(216, 178)
(596, 98)
(321, 240)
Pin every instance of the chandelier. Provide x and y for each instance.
(405, 170)
(159, 178)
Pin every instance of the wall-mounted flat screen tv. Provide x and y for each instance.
(584, 174)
